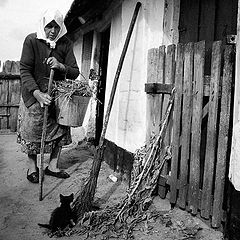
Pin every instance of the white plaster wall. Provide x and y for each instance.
(127, 124)
(234, 173)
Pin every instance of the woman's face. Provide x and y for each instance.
(51, 30)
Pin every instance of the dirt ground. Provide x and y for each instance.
(21, 210)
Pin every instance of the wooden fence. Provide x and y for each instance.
(199, 130)
(9, 96)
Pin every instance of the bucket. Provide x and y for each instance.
(71, 112)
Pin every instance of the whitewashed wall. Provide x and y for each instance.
(127, 125)
(234, 168)
(156, 25)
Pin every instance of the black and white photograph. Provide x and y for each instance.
(120, 119)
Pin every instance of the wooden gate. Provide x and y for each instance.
(9, 96)
(199, 131)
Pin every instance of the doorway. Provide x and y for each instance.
(103, 63)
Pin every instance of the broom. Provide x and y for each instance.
(83, 202)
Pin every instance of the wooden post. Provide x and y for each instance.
(198, 83)
(176, 122)
(168, 79)
(186, 123)
(206, 199)
(156, 61)
(223, 137)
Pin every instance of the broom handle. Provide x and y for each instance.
(44, 131)
(119, 68)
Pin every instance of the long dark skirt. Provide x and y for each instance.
(30, 125)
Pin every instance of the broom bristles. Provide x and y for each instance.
(84, 200)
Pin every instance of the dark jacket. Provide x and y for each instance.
(33, 68)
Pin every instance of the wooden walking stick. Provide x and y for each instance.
(44, 131)
(84, 201)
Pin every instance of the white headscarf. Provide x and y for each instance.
(48, 16)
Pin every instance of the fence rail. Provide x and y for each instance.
(200, 127)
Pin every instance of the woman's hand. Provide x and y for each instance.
(55, 64)
(43, 98)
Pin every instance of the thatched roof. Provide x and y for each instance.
(84, 12)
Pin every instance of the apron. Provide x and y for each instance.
(30, 125)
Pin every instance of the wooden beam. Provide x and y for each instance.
(157, 88)
(163, 88)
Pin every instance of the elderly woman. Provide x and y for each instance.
(47, 49)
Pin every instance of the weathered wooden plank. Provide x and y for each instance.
(211, 130)
(14, 99)
(186, 122)
(198, 82)
(176, 122)
(223, 137)
(156, 64)
(156, 60)
(3, 100)
(169, 79)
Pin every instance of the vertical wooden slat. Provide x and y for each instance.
(186, 123)
(211, 131)
(3, 101)
(14, 99)
(169, 78)
(155, 64)
(176, 122)
(161, 77)
(223, 137)
(198, 83)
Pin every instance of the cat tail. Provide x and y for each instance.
(45, 226)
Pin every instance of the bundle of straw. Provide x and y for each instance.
(68, 88)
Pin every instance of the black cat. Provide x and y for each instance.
(62, 216)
